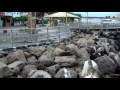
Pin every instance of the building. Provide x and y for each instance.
(18, 14)
(92, 19)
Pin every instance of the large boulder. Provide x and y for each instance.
(59, 51)
(115, 58)
(37, 51)
(3, 60)
(19, 64)
(83, 42)
(90, 69)
(66, 61)
(72, 47)
(27, 69)
(16, 56)
(5, 70)
(27, 54)
(31, 59)
(83, 54)
(47, 58)
(106, 64)
(39, 74)
(66, 73)
(53, 69)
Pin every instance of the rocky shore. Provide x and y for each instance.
(83, 55)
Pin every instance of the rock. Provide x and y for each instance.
(119, 54)
(3, 60)
(66, 73)
(49, 48)
(24, 74)
(39, 74)
(62, 46)
(106, 48)
(85, 42)
(58, 51)
(16, 56)
(112, 49)
(29, 68)
(83, 54)
(16, 71)
(19, 76)
(72, 47)
(116, 59)
(105, 64)
(37, 51)
(100, 50)
(27, 54)
(66, 61)
(19, 64)
(53, 69)
(5, 70)
(90, 69)
(47, 58)
(91, 49)
(32, 59)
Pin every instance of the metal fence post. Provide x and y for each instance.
(59, 34)
(47, 34)
(12, 38)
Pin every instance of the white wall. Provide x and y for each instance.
(91, 20)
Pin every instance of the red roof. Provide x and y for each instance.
(2, 13)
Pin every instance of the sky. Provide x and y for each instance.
(98, 14)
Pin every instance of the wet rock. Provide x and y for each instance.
(83, 54)
(5, 70)
(53, 69)
(66, 61)
(66, 73)
(16, 56)
(39, 74)
(47, 58)
(37, 51)
(106, 64)
(3, 60)
(32, 59)
(19, 64)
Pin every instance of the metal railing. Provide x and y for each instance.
(22, 37)
(95, 25)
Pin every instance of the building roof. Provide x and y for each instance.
(62, 14)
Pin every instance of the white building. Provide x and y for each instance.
(92, 19)
(15, 14)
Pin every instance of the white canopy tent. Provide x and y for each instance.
(61, 15)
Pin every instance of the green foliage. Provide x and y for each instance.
(45, 21)
(22, 18)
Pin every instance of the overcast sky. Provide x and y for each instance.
(98, 14)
